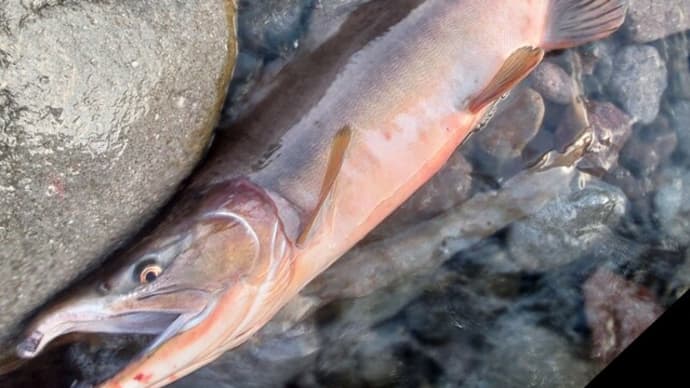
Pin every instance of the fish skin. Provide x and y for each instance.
(228, 253)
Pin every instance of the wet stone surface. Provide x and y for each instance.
(566, 228)
(650, 20)
(639, 70)
(97, 128)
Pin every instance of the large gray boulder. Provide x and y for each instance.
(104, 108)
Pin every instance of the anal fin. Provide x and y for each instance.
(340, 143)
(518, 65)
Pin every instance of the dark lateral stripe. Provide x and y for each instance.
(305, 80)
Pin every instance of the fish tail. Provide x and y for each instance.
(571, 23)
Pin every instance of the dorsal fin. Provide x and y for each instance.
(515, 69)
(340, 143)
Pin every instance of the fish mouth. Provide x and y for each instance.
(113, 316)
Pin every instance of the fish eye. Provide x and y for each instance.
(147, 272)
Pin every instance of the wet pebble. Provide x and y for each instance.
(524, 354)
(610, 128)
(672, 203)
(270, 33)
(496, 149)
(679, 114)
(425, 318)
(279, 358)
(676, 51)
(617, 310)
(597, 66)
(272, 28)
(514, 124)
(651, 146)
(649, 20)
(634, 187)
(552, 82)
(638, 81)
(567, 227)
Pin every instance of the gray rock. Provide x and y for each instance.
(270, 33)
(567, 227)
(638, 81)
(649, 20)
(272, 28)
(651, 146)
(610, 129)
(100, 119)
(676, 50)
(524, 354)
(618, 311)
(553, 83)
(672, 203)
(679, 113)
(264, 361)
(515, 123)
(597, 65)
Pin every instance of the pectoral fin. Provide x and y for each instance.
(335, 162)
(515, 69)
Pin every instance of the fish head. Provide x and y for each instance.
(171, 280)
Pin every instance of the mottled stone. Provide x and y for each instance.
(676, 50)
(567, 227)
(651, 146)
(638, 81)
(266, 360)
(597, 66)
(515, 123)
(649, 20)
(100, 119)
(553, 83)
(633, 187)
(270, 32)
(610, 129)
(618, 310)
(679, 115)
(524, 354)
(672, 203)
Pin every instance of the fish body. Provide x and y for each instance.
(322, 161)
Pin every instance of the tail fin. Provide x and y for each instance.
(573, 22)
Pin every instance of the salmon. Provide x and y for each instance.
(342, 138)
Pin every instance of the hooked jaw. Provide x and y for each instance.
(99, 314)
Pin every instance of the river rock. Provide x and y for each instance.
(553, 83)
(515, 123)
(676, 50)
(672, 203)
(269, 33)
(651, 146)
(567, 227)
(649, 20)
(638, 81)
(100, 119)
(617, 310)
(525, 354)
(679, 112)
